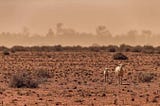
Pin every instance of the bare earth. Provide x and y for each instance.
(78, 79)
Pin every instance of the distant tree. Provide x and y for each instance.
(50, 33)
(64, 31)
(59, 28)
(104, 36)
(101, 30)
(25, 31)
(125, 48)
(131, 35)
(146, 34)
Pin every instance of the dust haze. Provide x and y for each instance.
(79, 22)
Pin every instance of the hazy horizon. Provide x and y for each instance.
(83, 15)
(119, 16)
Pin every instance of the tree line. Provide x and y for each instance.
(68, 36)
(58, 48)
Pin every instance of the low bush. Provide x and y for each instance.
(43, 75)
(125, 48)
(2, 48)
(58, 48)
(29, 79)
(157, 49)
(145, 77)
(119, 56)
(148, 49)
(94, 49)
(137, 49)
(23, 80)
(6, 52)
(112, 48)
(19, 48)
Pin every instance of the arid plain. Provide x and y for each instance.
(76, 79)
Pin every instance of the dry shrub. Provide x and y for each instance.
(119, 56)
(29, 79)
(125, 48)
(6, 52)
(23, 80)
(148, 49)
(2, 48)
(145, 77)
(43, 75)
(94, 49)
(73, 48)
(112, 48)
(157, 49)
(19, 48)
(58, 48)
(137, 49)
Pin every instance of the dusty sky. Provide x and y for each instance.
(83, 15)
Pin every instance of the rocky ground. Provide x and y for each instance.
(78, 80)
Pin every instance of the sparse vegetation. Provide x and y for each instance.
(2, 48)
(23, 80)
(157, 49)
(19, 48)
(112, 48)
(119, 56)
(58, 48)
(125, 48)
(6, 52)
(146, 77)
(69, 74)
(94, 49)
(137, 49)
(29, 79)
(109, 48)
(148, 49)
(43, 75)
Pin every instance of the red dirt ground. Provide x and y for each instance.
(78, 79)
